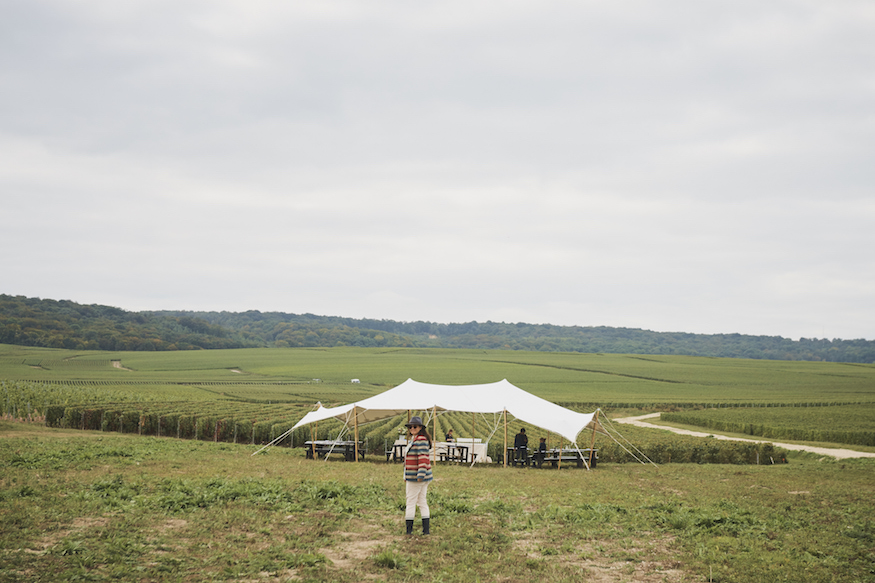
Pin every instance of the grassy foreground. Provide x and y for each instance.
(82, 505)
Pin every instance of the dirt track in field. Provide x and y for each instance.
(828, 451)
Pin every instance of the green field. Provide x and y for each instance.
(607, 381)
(142, 505)
(255, 395)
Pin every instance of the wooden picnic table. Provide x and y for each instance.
(324, 448)
(553, 455)
(580, 457)
(452, 452)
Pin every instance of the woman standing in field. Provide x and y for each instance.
(417, 473)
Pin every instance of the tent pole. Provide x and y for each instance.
(505, 437)
(473, 437)
(549, 437)
(592, 443)
(560, 452)
(434, 433)
(355, 411)
(473, 434)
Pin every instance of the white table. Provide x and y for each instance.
(475, 447)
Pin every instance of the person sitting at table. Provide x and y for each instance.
(542, 451)
(449, 436)
(521, 446)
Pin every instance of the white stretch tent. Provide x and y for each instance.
(489, 398)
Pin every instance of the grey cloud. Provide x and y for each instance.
(682, 166)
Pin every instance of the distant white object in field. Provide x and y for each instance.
(355, 381)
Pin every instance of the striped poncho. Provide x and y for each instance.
(417, 464)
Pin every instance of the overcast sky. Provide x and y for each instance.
(674, 166)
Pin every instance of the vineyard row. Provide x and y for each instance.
(774, 432)
(236, 423)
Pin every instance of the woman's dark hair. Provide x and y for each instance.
(423, 431)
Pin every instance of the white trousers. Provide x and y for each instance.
(417, 496)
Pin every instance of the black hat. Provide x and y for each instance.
(416, 420)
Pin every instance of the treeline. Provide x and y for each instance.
(65, 324)
(282, 329)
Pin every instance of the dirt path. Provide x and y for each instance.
(832, 452)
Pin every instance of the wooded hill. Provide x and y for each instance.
(65, 324)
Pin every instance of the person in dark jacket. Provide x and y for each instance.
(521, 447)
(542, 451)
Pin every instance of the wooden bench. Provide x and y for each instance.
(566, 456)
(512, 457)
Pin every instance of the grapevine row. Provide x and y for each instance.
(774, 432)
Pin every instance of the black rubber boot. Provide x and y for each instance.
(409, 527)
(425, 526)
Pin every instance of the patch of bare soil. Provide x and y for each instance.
(265, 577)
(353, 548)
(607, 561)
(78, 525)
(171, 524)
(118, 364)
(645, 560)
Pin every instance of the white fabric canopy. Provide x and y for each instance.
(489, 398)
